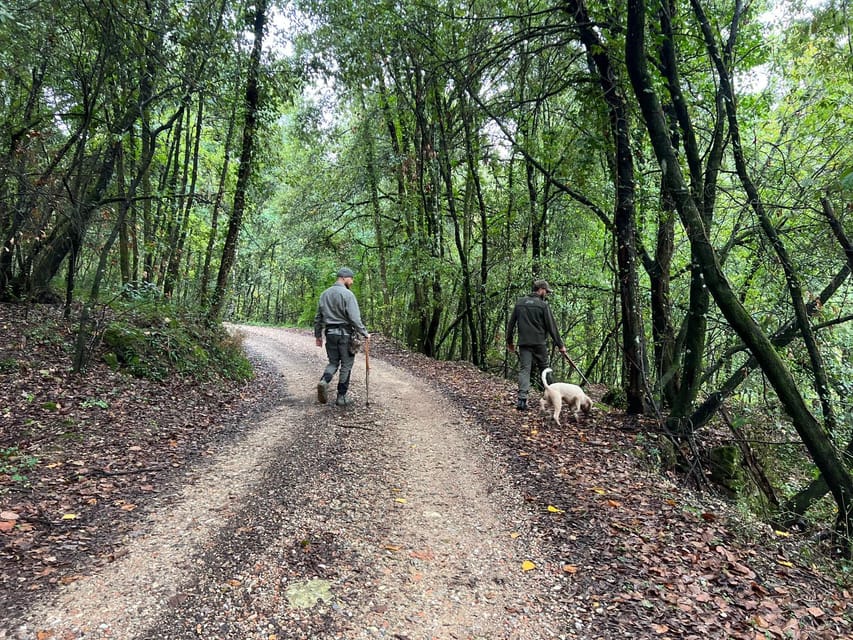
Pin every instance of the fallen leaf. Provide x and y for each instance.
(570, 568)
(527, 565)
(6, 525)
(514, 535)
(599, 490)
(660, 628)
(8, 515)
(742, 569)
(391, 547)
(400, 500)
(69, 516)
(554, 509)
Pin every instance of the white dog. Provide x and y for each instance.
(556, 393)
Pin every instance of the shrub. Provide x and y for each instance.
(149, 344)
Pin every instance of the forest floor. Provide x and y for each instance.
(431, 509)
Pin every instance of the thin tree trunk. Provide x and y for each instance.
(794, 287)
(774, 368)
(802, 501)
(472, 155)
(173, 270)
(462, 248)
(229, 251)
(373, 182)
(633, 333)
(217, 207)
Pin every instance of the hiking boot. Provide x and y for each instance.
(322, 392)
(343, 401)
(522, 404)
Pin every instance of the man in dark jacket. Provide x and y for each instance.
(535, 322)
(339, 316)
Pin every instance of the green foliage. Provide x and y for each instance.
(89, 403)
(615, 398)
(16, 464)
(149, 344)
(47, 334)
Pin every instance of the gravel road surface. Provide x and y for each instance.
(392, 518)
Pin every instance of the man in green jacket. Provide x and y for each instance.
(535, 322)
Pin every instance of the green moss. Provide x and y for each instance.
(151, 346)
(725, 467)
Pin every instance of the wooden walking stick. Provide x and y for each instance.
(367, 372)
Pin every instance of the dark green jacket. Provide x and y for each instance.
(535, 322)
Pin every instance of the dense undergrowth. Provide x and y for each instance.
(153, 343)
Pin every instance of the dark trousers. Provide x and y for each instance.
(527, 357)
(337, 349)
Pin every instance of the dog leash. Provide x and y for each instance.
(566, 356)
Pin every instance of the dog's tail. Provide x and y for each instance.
(545, 373)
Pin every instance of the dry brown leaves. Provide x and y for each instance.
(622, 538)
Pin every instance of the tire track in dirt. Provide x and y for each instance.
(400, 507)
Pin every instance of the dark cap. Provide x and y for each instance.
(345, 272)
(541, 284)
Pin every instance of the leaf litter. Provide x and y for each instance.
(620, 551)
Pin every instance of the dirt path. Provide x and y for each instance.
(391, 520)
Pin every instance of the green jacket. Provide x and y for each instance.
(535, 322)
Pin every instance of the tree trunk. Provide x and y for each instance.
(633, 333)
(373, 182)
(229, 251)
(663, 331)
(69, 235)
(478, 297)
(771, 363)
(217, 207)
(12, 165)
(444, 157)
